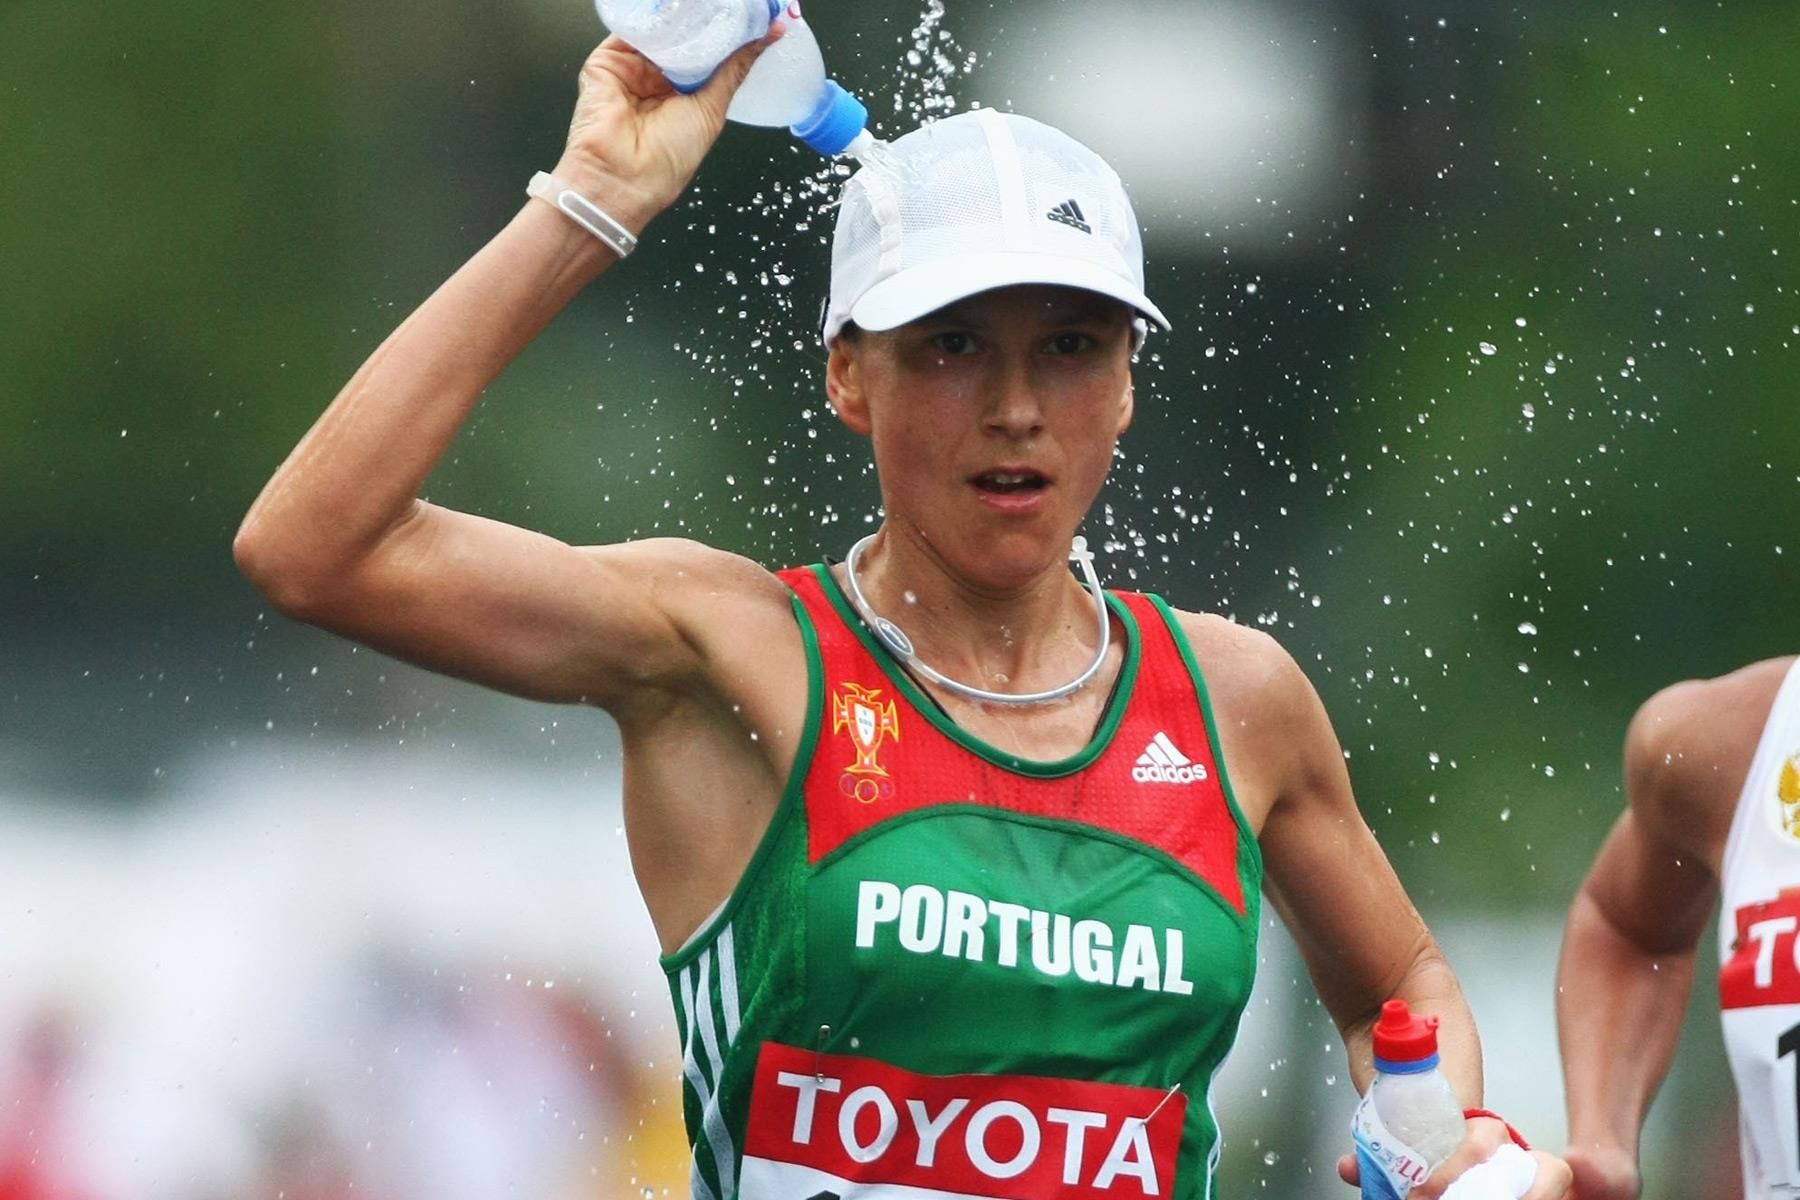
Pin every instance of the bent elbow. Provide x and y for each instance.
(293, 586)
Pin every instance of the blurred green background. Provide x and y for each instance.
(1479, 397)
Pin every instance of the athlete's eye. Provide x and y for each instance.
(1071, 343)
(954, 342)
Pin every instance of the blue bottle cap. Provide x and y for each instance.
(1405, 1066)
(834, 122)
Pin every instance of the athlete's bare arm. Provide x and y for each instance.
(1361, 938)
(672, 637)
(339, 537)
(1628, 952)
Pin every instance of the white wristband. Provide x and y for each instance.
(584, 212)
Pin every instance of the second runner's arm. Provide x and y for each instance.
(1628, 955)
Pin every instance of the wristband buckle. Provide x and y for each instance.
(584, 212)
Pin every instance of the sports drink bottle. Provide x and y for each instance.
(688, 39)
(1410, 1120)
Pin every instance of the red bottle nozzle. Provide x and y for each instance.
(1402, 1037)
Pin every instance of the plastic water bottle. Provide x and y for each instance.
(688, 39)
(1410, 1120)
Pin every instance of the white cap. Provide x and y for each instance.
(976, 201)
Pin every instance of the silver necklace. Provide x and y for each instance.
(898, 644)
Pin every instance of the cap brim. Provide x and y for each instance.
(917, 291)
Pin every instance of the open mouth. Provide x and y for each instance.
(1008, 483)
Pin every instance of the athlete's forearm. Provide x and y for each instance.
(1618, 1018)
(356, 474)
(1429, 987)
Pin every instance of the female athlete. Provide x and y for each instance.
(957, 860)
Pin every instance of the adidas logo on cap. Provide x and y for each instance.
(1161, 762)
(1069, 213)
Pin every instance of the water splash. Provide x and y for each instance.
(932, 60)
(752, 301)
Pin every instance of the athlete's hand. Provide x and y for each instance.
(1602, 1174)
(1485, 1135)
(634, 141)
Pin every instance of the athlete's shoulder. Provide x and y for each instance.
(1690, 745)
(1249, 674)
(1223, 644)
(1283, 754)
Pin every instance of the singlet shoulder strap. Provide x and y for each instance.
(1774, 773)
(841, 654)
(1173, 673)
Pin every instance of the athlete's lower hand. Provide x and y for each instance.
(634, 141)
(1485, 1135)
(1603, 1174)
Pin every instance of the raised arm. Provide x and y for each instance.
(339, 537)
(1361, 938)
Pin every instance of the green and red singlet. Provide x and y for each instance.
(949, 972)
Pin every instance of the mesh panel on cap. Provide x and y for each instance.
(937, 185)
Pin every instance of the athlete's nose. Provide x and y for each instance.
(1014, 409)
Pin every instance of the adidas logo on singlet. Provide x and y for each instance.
(1161, 762)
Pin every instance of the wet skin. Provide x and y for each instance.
(993, 423)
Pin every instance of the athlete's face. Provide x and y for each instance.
(993, 421)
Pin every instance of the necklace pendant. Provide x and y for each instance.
(894, 638)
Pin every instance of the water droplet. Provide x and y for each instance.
(1488, 348)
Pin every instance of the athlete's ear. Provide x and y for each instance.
(1127, 406)
(844, 382)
